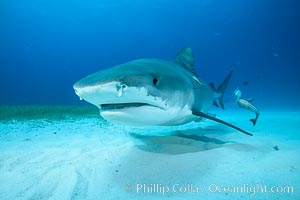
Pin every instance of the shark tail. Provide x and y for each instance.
(255, 119)
(218, 101)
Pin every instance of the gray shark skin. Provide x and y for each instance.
(147, 92)
(246, 104)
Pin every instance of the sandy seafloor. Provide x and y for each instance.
(45, 155)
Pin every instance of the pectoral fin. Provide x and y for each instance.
(201, 114)
(200, 119)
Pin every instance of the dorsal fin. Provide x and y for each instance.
(250, 100)
(185, 58)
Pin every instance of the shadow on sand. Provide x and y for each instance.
(181, 142)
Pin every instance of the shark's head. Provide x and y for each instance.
(141, 92)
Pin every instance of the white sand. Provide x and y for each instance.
(92, 159)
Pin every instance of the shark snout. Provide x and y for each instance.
(116, 93)
(97, 94)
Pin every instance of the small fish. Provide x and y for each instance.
(245, 82)
(246, 104)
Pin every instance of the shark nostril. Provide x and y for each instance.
(76, 91)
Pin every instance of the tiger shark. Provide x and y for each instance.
(153, 92)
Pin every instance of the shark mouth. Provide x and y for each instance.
(118, 106)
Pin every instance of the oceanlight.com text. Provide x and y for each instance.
(163, 189)
(251, 189)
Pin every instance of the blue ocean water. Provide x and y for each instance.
(46, 46)
(54, 146)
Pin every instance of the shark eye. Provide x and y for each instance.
(154, 81)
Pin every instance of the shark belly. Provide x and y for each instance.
(147, 116)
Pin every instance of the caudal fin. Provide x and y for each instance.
(253, 121)
(218, 101)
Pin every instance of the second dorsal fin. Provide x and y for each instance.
(185, 58)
